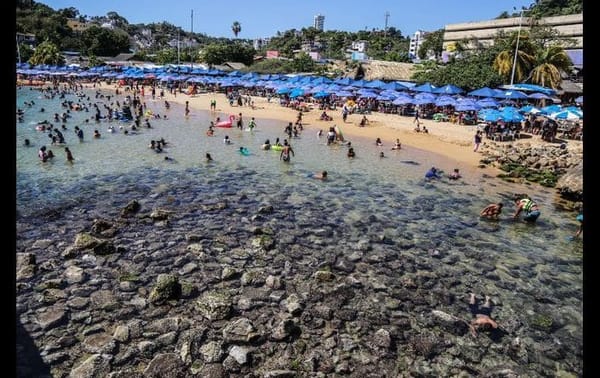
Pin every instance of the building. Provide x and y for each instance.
(415, 44)
(77, 25)
(26, 39)
(319, 22)
(260, 43)
(482, 33)
(360, 46)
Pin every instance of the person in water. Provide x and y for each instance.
(455, 175)
(351, 152)
(208, 157)
(492, 211)
(69, 155)
(319, 175)
(285, 153)
(529, 207)
(266, 145)
(481, 315)
(432, 173)
(397, 145)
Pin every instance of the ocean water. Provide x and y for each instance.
(529, 262)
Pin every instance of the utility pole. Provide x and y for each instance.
(191, 43)
(512, 75)
(18, 49)
(178, 48)
(387, 15)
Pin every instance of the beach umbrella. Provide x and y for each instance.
(321, 94)
(487, 103)
(377, 84)
(539, 96)
(515, 95)
(489, 115)
(403, 100)
(296, 92)
(449, 89)
(394, 85)
(551, 109)
(530, 88)
(343, 81)
(566, 115)
(343, 94)
(530, 109)
(427, 87)
(445, 101)
(579, 100)
(484, 92)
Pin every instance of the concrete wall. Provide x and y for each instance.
(570, 26)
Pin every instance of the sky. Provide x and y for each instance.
(264, 18)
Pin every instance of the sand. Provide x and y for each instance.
(449, 140)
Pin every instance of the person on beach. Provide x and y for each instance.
(187, 108)
(416, 120)
(364, 121)
(477, 140)
(285, 153)
(492, 211)
(527, 205)
(213, 105)
(226, 140)
(481, 315)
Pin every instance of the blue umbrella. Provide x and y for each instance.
(395, 86)
(579, 100)
(403, 100)
(427, 87)
(512, 95)
(449, 89)
(566, 114)
(484, 92)
(539, 96)
(551, 109)
(488, 103)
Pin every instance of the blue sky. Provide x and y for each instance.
(264, 18)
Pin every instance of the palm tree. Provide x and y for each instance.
(503, 63)
(47, 53)
(549, 63)
(236, 28)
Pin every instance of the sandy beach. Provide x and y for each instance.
(444, 138)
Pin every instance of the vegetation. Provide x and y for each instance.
(539, 58)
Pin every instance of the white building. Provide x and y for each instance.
(259, 43)
(359, 46)
(319, 22)
(415, 44)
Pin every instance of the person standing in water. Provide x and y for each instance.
(285, 153)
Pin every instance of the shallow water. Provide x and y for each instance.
(364, 196)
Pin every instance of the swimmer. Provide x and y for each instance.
(320, 175)
(492, 211)
(208, 157)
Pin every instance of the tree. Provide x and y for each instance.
(47, 53)
(549, 63)
(104, 42)
(303, 63)
(432, 44)
(236, 28)
(504, 61)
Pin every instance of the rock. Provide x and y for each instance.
(215, 305)
(96, 366)
(167, 287)
(165, 365)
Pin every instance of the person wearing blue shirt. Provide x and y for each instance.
(432, 173)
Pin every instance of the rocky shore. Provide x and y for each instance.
(180, 283)
(554, 165)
